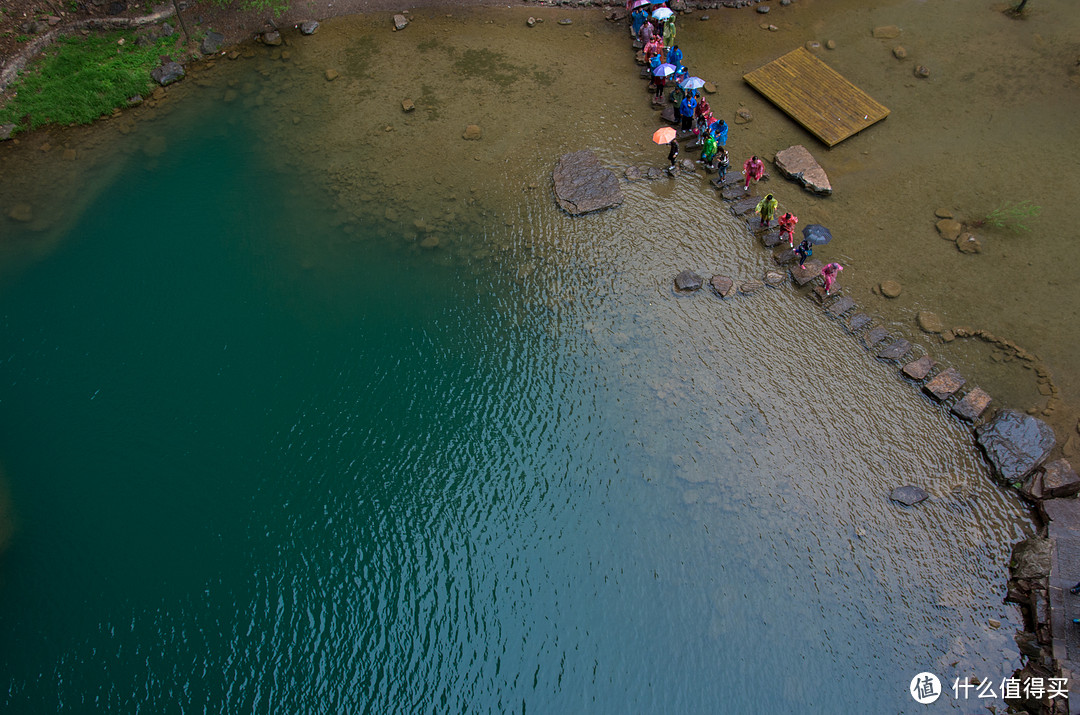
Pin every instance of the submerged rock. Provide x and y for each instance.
(929, 322)
(400, 22)
(271, 38)
(472, 132)
(22, 213)
(890, 289)
(582, 185)
(886, 32)
(1015, 443)
(798, 164)
(309, 27)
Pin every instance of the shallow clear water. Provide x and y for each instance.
(267, 453)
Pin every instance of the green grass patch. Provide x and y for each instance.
(78, 79)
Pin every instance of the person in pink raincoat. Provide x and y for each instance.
(753, 169)
(787, 227)
(829, 273)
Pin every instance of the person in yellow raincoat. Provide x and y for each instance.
(669, 32)
(766, 209)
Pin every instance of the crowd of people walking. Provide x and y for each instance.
(652, 24)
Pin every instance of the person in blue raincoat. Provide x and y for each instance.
(637, 19)
(686, 111)
(674, 57)
(720, 128)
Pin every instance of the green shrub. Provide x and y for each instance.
(81, 78)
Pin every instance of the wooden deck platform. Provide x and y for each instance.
(816, 96)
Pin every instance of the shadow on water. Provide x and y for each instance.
(341, 410)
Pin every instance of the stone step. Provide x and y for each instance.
(945, 384)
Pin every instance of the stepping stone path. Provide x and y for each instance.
(972, 405)
(874, 337)
(945, 384)
(688, 281)
(744, 206)
(785, 257)
(723, 286)
(858, 322)
(808, 272)
(841, 306)
(750, 287)
(773, 278)
(895, 350)
(772, 238)
(919, 369)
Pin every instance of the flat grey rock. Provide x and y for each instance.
(874, 336)
(908, 495)
(895, 350)
(858, 322)
(840, 306)
(744, 206)
(688, 281)
(772, 238)
(808, 272)
(582, 185)
(751, 286)
(1015, 443)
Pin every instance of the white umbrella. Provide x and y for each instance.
(662, 13)
(692, 83)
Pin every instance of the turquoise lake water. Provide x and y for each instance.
(261, 459)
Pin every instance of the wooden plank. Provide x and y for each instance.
(816, 96)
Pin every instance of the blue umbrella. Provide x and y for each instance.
(664, 70)
(692, 83)
(817, 234)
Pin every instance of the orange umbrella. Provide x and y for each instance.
(663, 135)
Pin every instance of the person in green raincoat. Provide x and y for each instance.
(708, 152)
(669, 32)
(766, 208)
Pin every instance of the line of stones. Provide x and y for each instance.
(1018, 464)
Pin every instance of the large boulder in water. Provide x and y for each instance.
(1015, 443)
(582, 185)
(796, 163)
